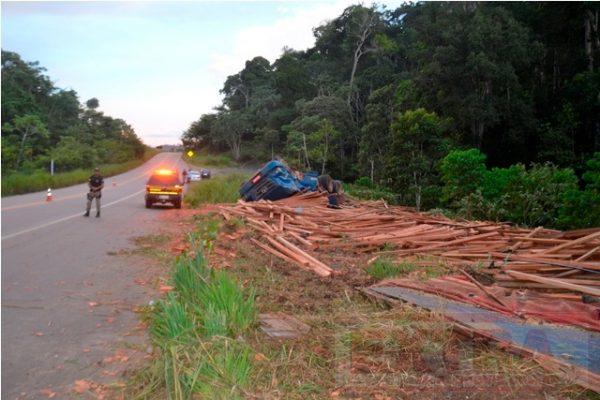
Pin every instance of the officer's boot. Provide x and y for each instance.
(97, 214)
(87, 213)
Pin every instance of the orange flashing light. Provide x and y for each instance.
(164, 172)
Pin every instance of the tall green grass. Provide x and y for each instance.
(20, 183)
(222, 189)
(196, 329)
(204, 159)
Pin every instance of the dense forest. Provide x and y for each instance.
(490, 110)
(41, 122)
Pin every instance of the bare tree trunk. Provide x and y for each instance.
(417, 191)
(554, 72)
(588, 41)
(372, 170)
(236, 146)
(592, 37)
(305, 151)
(325, 154)
(477, 129)
(366, 28)
(22, 147)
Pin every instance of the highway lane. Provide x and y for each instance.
(55, 263)
(24, 212)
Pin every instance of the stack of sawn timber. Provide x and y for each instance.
(296, 228)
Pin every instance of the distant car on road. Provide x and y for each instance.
(193, 176)
(163, 187)
(205, 173)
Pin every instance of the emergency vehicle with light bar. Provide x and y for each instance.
(163, 187)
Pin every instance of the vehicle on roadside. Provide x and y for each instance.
(205, 173)
(193, 176)
(275, 181)
(163, 187)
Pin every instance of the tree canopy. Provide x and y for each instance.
(387, 94)
(41, 122)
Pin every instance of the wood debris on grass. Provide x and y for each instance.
(281, 325)
(301, 228)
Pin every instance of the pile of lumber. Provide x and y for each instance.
(298, 228)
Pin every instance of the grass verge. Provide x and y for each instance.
(197, 331)
(204, 159)
(221, 189)
(356, 348)
(19, 183)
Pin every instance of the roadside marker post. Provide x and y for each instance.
(49, 195)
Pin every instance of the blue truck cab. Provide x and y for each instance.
(274, 181)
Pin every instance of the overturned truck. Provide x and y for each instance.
(275, 181)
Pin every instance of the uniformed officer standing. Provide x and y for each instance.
(96, 184)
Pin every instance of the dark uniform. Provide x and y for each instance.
(96, 183)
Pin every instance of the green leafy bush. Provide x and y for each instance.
(526, 196)
(365, 189)
(205, 159)
(462, 172)
(222, 189)
(581, 208)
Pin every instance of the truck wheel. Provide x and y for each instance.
(178, 204)
(148, 204)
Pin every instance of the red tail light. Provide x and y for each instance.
(256, 179)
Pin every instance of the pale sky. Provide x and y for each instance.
(158, 65)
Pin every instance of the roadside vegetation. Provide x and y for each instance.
(198, 332)
(19, 183)
(388, 94)
(204, 158)
(209, 343)
(218, 189)
(42, 122)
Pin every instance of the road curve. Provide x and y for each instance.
(55, 263)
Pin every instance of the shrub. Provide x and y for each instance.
(581, 208)
(365, 189)
(535, 196)
(223, 189)
(462, 172)
(205, 159)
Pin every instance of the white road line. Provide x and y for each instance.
(12, 235)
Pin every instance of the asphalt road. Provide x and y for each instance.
(66, 298)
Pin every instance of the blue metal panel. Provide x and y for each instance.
(571, 345)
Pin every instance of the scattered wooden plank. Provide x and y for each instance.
(282, 326)
(557, 283)
(531, 234)
(572, 243)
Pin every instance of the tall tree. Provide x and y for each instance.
(419, 141)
